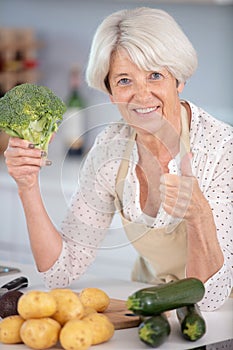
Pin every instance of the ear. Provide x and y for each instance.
(180, 87)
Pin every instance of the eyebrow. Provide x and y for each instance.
(115, 76)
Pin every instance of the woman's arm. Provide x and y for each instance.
(24, 163)
(181, 197)
(63, 256)
(208, 217)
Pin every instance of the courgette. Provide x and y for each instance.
(192, 323)
(154, 330)
(157, 299)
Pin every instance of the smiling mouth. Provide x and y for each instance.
(146, 110)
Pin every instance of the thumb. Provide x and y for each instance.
(185, 165)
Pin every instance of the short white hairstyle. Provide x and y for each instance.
(152, 38)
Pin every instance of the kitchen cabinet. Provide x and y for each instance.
(18, 57)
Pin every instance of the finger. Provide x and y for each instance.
(25, 170)
(176, 199)
(185, 165)
(169, 180)
(166, 191)
(19, 161)
(17, 142)
(14, 152)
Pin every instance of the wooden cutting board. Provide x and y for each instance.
(120, 316)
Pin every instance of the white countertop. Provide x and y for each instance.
(219, 323)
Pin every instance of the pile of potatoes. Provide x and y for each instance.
(59, 315)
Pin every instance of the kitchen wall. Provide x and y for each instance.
(66, 28)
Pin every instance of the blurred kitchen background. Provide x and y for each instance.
(44, 42)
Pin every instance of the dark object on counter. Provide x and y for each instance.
(15, 284)
(9, 302)
(154, 330)
(192, 323)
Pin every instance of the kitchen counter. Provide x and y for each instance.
(219, 323)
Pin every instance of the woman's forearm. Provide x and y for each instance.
(204, 254)
(45, 240)
(181, 197)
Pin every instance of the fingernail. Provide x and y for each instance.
(43, 153)
(48, 162)
(31, 145)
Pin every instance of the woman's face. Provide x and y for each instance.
(146, 100)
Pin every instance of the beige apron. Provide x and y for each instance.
(162, 251)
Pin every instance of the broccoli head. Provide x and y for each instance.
(31, 112)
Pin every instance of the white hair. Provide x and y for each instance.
(152, 38)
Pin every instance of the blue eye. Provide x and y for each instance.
(124, 81)
(156, 76)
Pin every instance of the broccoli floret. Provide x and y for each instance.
(31, 112)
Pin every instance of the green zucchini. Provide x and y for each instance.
(154, 330)
(192, 323)
(157, 299)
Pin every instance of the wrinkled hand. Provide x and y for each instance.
(24, 162)
(180, 195)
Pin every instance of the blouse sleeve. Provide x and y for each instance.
(89, 215)
(216, 185)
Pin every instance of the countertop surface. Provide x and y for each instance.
(219, 323)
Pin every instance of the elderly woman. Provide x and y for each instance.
(165, 167)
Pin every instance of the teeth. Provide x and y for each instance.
(145, 110)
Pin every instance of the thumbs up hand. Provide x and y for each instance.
(180, 195)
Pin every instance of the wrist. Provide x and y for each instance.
(27, 190)
(202, 216)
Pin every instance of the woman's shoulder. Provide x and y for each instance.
(114, 131)
(207, 128)
(110, 144)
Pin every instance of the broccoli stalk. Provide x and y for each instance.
(31, 112)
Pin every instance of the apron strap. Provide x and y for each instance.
(184, 137)
(123, 169)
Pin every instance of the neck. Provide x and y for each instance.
(164, 144)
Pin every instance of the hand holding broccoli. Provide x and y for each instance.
(31, 112)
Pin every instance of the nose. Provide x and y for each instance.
(142, 92)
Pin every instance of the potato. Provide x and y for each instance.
(88, 310)
(95, 298)
(101, 327)
(69, 305)
(40, 333)
(76, 335)
(36, 304)
(10, 329)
